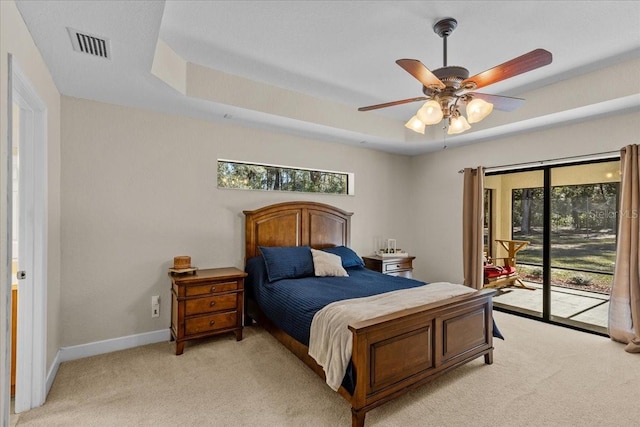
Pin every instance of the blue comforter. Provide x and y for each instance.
(291, 303)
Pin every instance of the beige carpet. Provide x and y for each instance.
(542, 375)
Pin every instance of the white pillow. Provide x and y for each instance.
(326, 264)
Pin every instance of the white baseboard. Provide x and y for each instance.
(53, 371)
(114, 344)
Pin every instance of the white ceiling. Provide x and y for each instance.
(340, 51)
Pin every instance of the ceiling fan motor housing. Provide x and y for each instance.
(447, 97)
(451, 76)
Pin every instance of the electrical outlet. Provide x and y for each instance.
(155, 306)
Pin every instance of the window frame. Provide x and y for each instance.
(350, 178)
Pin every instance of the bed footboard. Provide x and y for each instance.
(395, 353)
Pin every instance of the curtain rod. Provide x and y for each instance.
(594, 156)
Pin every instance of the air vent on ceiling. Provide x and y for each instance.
(89, 43)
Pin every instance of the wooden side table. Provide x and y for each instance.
(401, 266)
(512, 247)
(205, 303)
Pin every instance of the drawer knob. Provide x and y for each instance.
(213, 289)
(212, 303)
(212, 323)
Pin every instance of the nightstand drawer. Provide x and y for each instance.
(397, 265)
(211, 323)
(402, 267)
(211, 304)
(211, 288)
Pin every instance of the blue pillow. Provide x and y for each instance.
(287, 262)
(349, 257)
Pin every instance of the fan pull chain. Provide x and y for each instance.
(444, 136)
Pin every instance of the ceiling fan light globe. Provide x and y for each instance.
(478, 109)
(458, 125)
(415, 125)
(430, 113)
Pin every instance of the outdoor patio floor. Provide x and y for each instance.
(580, 306)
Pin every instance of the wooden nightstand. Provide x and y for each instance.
(205, 303)
(402, 266)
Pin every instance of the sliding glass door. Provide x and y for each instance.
(517, 216)
(565, 218)
(583, 225)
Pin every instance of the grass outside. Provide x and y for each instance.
(584, 281)
(579, 260)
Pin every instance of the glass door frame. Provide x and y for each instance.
(546, 316)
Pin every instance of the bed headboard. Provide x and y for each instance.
(296, 224)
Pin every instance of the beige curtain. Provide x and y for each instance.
(472, 227)
(624, 306)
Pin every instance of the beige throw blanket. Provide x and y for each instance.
(330, 342)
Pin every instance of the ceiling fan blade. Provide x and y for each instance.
(502, 103)
(393, 103)
(422, 73)
(529, 61)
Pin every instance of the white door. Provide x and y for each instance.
(15, 214)
(29, 143)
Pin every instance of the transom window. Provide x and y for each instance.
(253, 176)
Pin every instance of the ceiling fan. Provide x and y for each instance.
(446, 88)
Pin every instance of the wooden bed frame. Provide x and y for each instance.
(392, 354)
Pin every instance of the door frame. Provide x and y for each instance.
(32, 306)
(545, 315)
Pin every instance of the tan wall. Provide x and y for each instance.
(139, 188)
(16, 40)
